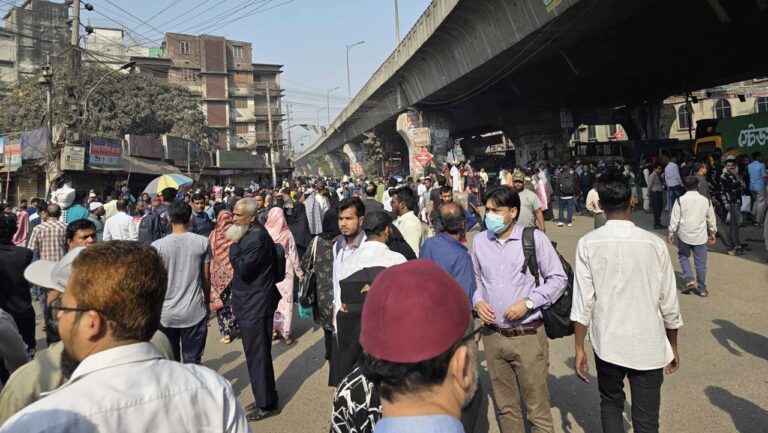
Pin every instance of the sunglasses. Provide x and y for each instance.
(55, 306)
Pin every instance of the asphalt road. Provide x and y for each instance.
(722, 385)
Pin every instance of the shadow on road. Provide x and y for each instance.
(729, 334)
(218, 363)
(299, 370)
(573, 397)
(747, 417)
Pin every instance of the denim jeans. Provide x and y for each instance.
(565, 206)
(645, 387)
(699, 260)
(733, 224)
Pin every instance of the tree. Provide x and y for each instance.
(374, 154)
(121, 104)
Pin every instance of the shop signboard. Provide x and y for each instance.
(104, 153)
(177, 149)
(73, 158)
(239, 159)
(12, 154)
(421, 137)
(143, 146)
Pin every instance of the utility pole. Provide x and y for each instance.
(397, 26)
(269, 127)
(328, 102)
(349, 84)
(73, 136)
(290, 145)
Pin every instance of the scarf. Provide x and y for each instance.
(221, 267)
(22, 229)
(278, 229)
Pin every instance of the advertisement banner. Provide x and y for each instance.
(239, 159)
(12, 154)
(73, 158)
(178, 149)
(104, 153)
(145, 147)
(421, 137)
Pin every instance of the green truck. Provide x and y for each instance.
(735, 135)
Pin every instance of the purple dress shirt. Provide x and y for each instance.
(500, 282)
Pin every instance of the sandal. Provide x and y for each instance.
(703, 293)
(288, 341)
(226, 339)
(275, 335)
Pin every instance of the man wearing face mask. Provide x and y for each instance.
(509, 303)
(50, 368)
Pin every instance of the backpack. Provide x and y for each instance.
(567, 186)
(152, 227)
(557, 318)
(280, 263)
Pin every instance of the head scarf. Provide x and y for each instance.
(278, 227)
(22, 229)
(330, 225)
(221, 267)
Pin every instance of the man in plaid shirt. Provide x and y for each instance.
(48, 238)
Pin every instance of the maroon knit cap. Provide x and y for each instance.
(413, 312)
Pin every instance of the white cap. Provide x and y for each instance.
(94, 205)
(50, 274)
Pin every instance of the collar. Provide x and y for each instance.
(356, 242)
(422, 424)
(114, 357)
(374, 244)
(445, 237)
(619, 223)
(409, 215)
(517, 233)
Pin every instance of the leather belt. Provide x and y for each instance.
(527, 329)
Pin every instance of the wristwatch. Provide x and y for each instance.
(528, 304)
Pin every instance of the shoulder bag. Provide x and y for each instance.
(309, 286)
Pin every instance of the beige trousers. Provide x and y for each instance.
(518, 368)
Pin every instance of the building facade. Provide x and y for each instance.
(113, 47)
(33, 32)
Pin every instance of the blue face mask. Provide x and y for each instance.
(495, 223)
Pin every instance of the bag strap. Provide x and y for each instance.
(314, 251)
(530, 262)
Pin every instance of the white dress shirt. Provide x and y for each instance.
(411, 229)
(693, 218)
(370, 254)
(120, 228)
(625, 292)
(133, 389)
(346, 251)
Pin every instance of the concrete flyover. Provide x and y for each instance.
(471, 66)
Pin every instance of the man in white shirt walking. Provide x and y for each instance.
(121, 383)
(120, 227)
(625, 294)
(404, 203)
(693, 219)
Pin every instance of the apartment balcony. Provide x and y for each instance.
(240, 90)
(264, 112)
(263, 85)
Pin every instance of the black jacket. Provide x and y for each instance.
(200, 224)
(254, 292)
(398, 244)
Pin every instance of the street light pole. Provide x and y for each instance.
(397, 26)
(349, 84)
(88, 95)
(328, 101)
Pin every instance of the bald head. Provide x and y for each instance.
(452, 218)
(54, 211)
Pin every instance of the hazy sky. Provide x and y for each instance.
(308, 37)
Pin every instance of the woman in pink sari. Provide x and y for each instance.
(278, 228)
(22, 228)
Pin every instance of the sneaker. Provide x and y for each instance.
(559, 224)
(569, 224)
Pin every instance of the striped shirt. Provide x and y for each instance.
(48, 240)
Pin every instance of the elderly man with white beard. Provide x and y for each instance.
(255, 297)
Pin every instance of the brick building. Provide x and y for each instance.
(233, 90)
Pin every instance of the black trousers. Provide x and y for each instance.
(645, 387)
(188, 343)
(657, 203)
(257, 345)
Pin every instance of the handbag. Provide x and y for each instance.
(746, 203)
(309, 286)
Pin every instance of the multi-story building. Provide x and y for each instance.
(33, 33)
(113, 47)
(239, 98)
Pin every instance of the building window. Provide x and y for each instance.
(237, 51)
(591, 132)
(684, 117)
(184, 45)
(188, 74)
(241, 103)
(762, 104)
(722, 109)
(241, 128)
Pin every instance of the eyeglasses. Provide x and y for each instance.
(55, 306)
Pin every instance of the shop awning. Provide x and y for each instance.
(133, 164)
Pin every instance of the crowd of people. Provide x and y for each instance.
(127, 287)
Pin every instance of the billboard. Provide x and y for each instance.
(73, 158)
(178, 149)
(12, 154)
(143, 146)
(104, 153)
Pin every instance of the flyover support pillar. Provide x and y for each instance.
(334, 163)
(354, 152)
(406, 123)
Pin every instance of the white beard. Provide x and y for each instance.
(236, 232)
